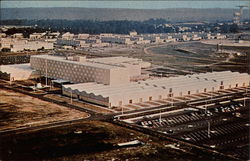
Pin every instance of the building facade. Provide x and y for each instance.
(86, 70)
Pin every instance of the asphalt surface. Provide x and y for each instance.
(220, 123)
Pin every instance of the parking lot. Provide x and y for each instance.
(220, 123)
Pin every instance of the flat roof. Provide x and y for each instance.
(15, 68)
(84, 63)
(151, 85)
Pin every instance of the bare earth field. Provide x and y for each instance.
(183, 56)
(19, 110)
(96, 108)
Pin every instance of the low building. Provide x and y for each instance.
(83, 36)
(2, 35)
(17, 45)
(220, 36)
(69, 42)
(17, 35)
(17, 72)
(67, 36)
(155, 89)
(36, 36)
(31, 45)
(117, 40)
(132, 33)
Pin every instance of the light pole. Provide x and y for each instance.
(160, 117)
(71, 101)
(245, 98)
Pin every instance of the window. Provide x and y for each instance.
(150, 98)
(189, 92)
(236, 85)
(205, 90)
(170, 90)
(221, 83)
(140, 100)
(130, 101)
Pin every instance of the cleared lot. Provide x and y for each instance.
(19, 110)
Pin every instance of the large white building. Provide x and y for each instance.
(155, 89)
(109, 71)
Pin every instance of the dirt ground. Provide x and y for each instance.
(19, 110)
(92, 141)
(98, 109)
(183, 56)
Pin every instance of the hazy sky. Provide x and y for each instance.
(125, 4)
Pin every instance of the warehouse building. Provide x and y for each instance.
(155, 89)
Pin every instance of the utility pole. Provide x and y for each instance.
(46, 75)
(208, 130)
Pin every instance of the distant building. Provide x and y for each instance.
(118, 40)
(52, 35)
(2, 35)
(132, 33)
(220, 36)
(83, 36)
(67, 36)
(35, 36)
(16, 45)
(17, 35)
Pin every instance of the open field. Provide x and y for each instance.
(198, 57)
(180, 57)
(93, 140)
(231, 43)
(19, 110)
